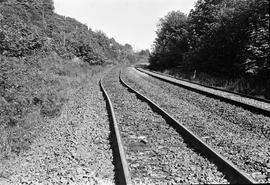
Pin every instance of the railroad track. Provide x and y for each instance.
(239, 135)
(253, 104)
(154, 148)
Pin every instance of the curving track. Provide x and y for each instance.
(159, 149)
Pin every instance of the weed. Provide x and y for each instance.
(243, 85)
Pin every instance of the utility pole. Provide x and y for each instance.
(64, 39)
(43, 18)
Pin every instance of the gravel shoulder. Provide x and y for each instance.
(237, 134)
(71, 149)
(155, 152)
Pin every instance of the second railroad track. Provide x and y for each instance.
(254, 104)
(157, 149)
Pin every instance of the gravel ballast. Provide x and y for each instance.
(71, 149)
(239, 135)
(155, 152)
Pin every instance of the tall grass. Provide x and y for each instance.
(240, 85)
(33, 90)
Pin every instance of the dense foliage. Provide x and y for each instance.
(28, 27)
(228, 38)
(171, 40)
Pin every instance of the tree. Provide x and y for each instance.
(171, 42)
(228, 38)
(128, 47)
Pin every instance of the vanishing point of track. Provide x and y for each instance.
(123, 144)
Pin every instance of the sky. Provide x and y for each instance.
(128, 21)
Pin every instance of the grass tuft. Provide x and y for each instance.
(240, 85)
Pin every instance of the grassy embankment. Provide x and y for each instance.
(44, 59)
(34, 90)
(239, 85)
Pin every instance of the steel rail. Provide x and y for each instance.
(232, 172)
(215, 88)
(249, 107)
(123, 175)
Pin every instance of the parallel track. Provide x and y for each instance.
(233, 173)
(196, 142)
(255, 109)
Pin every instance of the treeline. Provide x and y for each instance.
(224, 38)
(31, 26)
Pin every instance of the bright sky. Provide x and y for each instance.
(128, 21)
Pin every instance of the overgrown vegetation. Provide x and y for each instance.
(227, 40)
(33, 91)
(44, 59)
(28, 27)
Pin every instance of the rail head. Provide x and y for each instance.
(142, 69)
(242, 177)
(124, 175)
